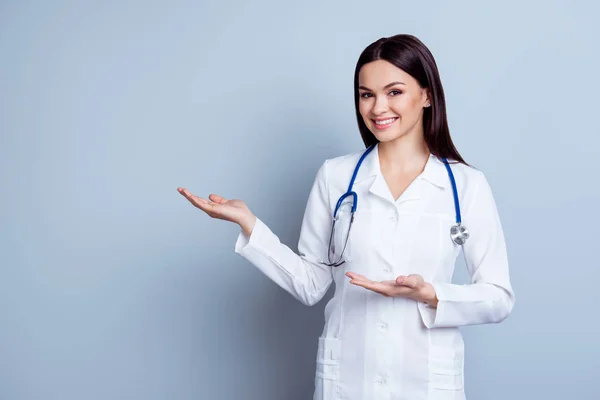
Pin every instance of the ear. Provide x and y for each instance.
(426, 97)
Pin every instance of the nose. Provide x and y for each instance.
(380, 105)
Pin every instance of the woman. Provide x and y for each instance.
(391, 328)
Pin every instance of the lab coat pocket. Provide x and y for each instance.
(328, 368)
(446, 369)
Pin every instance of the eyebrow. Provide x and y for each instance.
(385, 87)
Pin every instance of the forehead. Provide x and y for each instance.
(379, 73)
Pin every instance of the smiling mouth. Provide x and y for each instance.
(384, 123)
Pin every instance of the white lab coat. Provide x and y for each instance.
(383, 348)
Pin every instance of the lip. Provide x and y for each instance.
(381, 127)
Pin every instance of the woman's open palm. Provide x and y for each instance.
(219, 207)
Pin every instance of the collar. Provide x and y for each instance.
(434, 171)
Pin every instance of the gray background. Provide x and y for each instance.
(112, 286)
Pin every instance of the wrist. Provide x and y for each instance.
(429, 295)
(247, 224)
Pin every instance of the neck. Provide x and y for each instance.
(407, 153)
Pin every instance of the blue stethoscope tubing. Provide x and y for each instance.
(458, 232)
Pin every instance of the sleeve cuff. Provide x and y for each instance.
(241, 242)
(432, 316)
(244, 242)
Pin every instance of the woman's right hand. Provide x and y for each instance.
(229, 210)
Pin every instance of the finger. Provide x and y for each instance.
(193, 198)
(183, 191)
(217, 199)
(201, 203)
(400, 280)
(415, 280)
(361, 279)
(386, 288)
(404, 281)
(374, 286)
(187, 194)
(411, 281)
(351, 275)
(354, 275)
(355, 279)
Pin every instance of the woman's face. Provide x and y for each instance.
(391, 101)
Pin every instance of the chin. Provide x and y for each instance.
(387, 136)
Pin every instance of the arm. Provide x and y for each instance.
(301, 275)
(489, 297)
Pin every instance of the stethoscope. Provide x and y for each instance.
(458, 232)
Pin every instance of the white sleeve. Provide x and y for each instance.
(301, 275)
(489, 297)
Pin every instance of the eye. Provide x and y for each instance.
(366, 95)
(395, 92)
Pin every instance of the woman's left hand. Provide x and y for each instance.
(412, 287)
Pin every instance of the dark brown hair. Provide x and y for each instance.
(410, 55)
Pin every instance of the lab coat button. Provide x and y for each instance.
(383, 325)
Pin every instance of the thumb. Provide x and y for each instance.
(217, 199)
(409, 281)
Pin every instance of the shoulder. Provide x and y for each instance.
(467, 174)
(340, 167)
(472, 184)
(344, 161)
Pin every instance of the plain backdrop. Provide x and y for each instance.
(112, 286)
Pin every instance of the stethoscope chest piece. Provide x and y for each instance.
(459, 234)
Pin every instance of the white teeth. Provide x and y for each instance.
(385, 121)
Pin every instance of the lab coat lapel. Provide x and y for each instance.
(426, 187)
(379, 187)
(369, 178)
(434, 174)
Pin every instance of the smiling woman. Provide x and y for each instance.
(391, 328)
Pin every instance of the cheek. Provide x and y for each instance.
(364, 108)
(415, 105)
(402, 105)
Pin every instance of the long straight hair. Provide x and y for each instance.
(410, 55)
